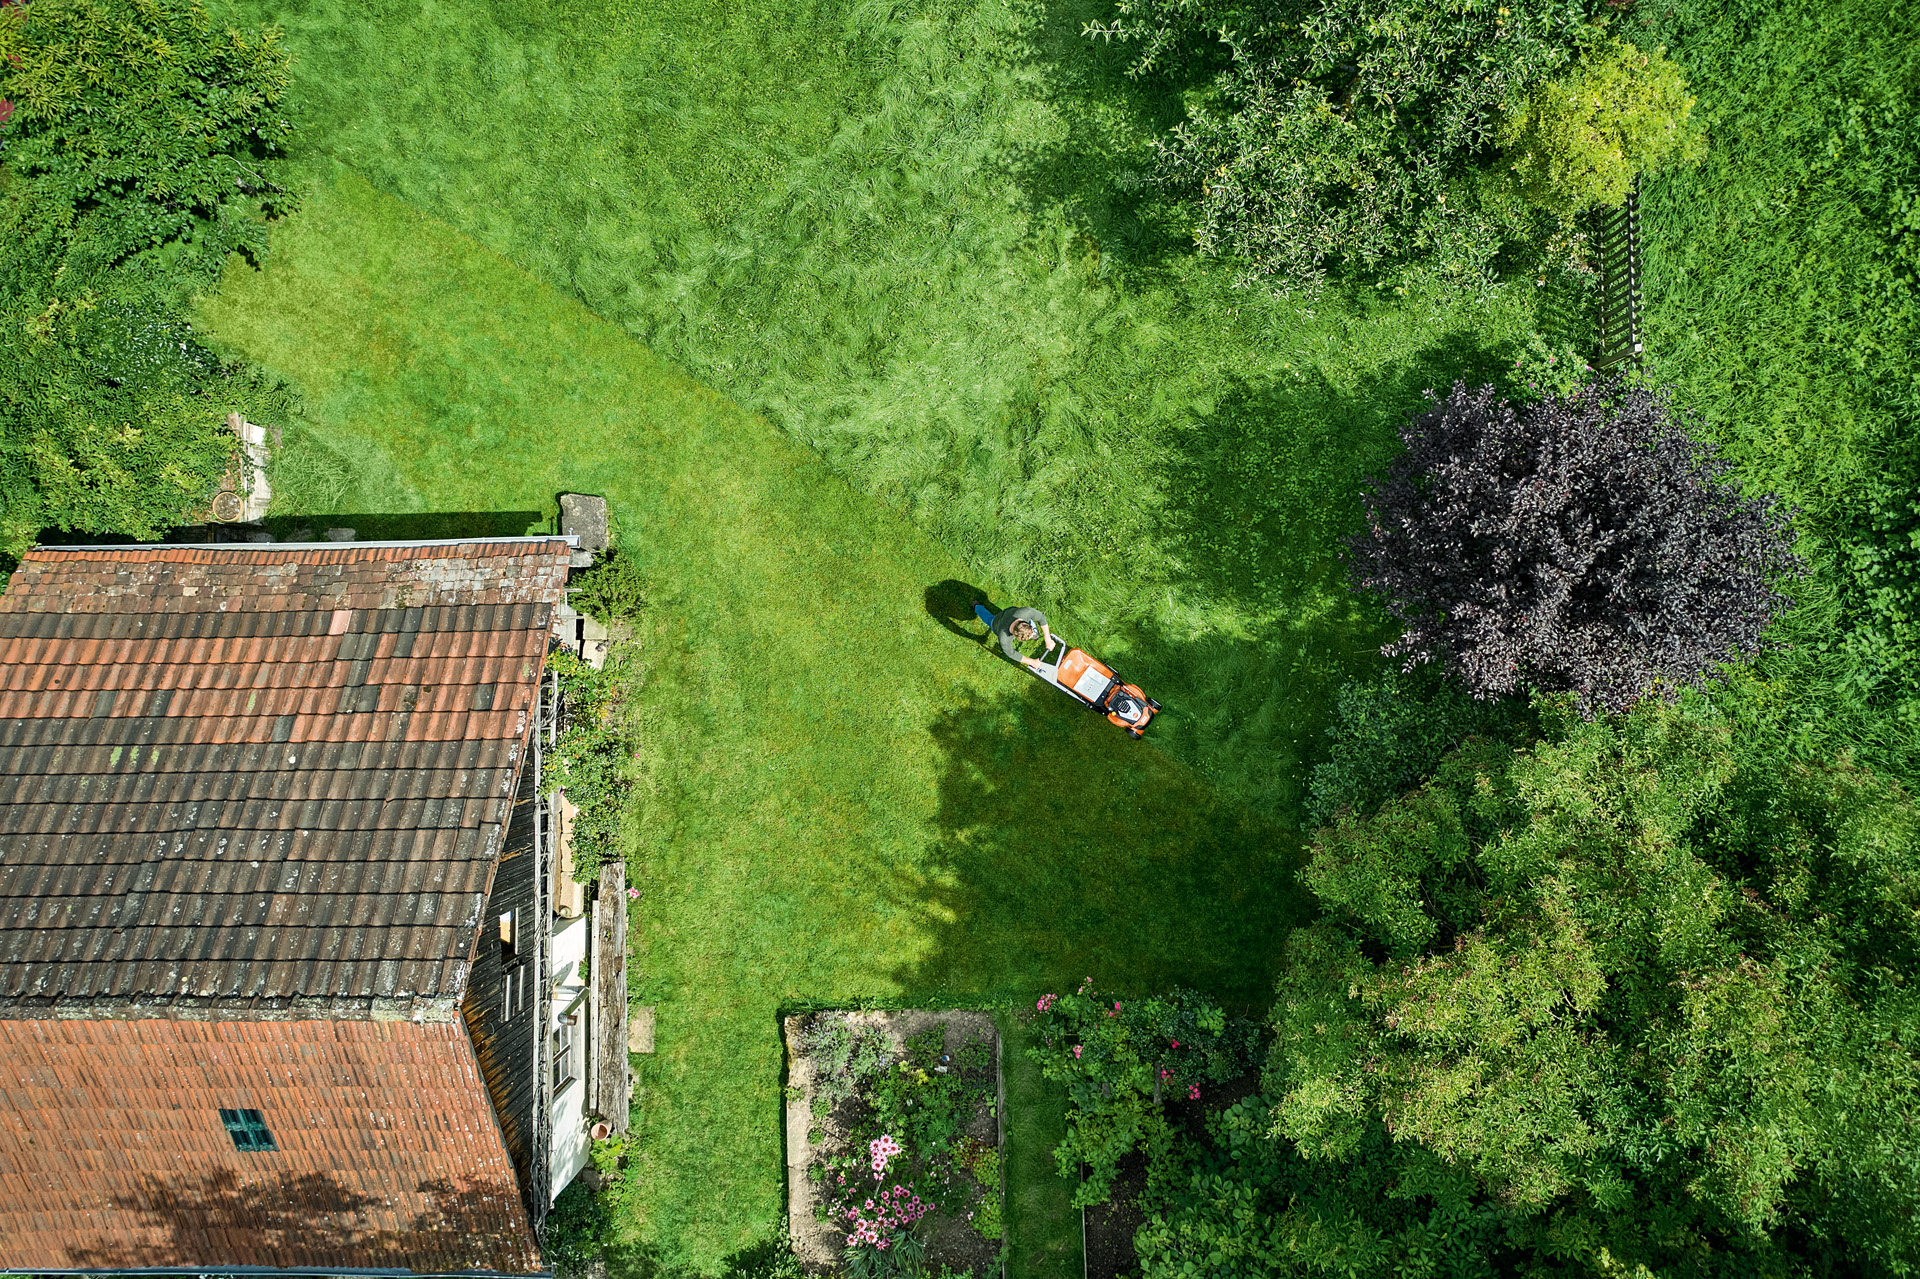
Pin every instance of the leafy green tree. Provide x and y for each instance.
(1350, 134)
(1627, 998)
(143, 148)
(1581, 139)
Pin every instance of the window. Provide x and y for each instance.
(513, 991)
(566, 1051)
(248, 1130)
(507, 936)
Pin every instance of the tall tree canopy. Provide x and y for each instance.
(1623, 999)
(144, 146)
(1366, 135)
(1584, 543)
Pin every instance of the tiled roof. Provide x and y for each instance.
(271, 778)
(113, 1154)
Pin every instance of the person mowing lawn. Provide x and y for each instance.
(1016, 626)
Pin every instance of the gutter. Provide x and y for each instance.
(571, 539)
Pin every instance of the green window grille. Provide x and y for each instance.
(248, 1130)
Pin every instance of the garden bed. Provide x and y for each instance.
(1110, 1227)
(894, 1141)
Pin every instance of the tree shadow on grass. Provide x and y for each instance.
(1062, 848)
(1098, 168)
(1266, 489)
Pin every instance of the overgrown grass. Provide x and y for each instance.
(1783, 282)
(841, 798)
(904, 233)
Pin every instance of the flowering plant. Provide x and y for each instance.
(901, 1149)
(1119, 1058)
(860, 1199)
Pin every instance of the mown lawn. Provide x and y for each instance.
(841, 799)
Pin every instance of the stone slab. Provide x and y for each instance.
(640, 1029)
(586, 518)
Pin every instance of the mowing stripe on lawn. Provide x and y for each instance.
(838, 799)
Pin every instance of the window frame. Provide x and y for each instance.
(568, 1046)
(248, 1129)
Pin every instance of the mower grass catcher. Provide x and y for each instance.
(1093, 683)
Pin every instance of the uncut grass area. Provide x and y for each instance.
(840, 798)
(1783, 292)
(911, 237)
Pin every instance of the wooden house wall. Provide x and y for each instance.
(511, 1050)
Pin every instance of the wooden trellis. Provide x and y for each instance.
(1617, 241)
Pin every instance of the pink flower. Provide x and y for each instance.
(1076, 1051)
(632, 893)
(1193, 1093)
(869, 1205)
(1166, 1074)
(1176, 1043)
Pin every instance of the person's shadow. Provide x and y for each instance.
(950, 603)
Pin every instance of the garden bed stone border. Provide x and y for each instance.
(809, 1237)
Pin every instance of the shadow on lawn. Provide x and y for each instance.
(1267, 488)
(1063, 849)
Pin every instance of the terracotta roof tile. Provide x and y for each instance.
(113, 1154)
(260, 770)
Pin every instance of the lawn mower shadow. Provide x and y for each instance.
(951, 602)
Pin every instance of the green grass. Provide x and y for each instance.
(1783, 290)
(841, 798)
(1043, 1228)
(903, 234)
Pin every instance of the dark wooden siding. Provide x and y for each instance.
(510, 1047)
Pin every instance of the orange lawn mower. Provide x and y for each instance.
(1092, 682)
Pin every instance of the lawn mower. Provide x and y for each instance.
(1094, 684)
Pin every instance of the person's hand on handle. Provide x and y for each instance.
(1046, 633)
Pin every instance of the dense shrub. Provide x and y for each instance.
(1585, 543)
(144, 146)
(1388, 733)
(613, 590)
(1582, 138)
(1632, 986)
(577, 1231)
(592, 761)
(844, 1058)
(1119, 1058)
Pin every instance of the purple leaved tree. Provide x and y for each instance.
(1587, 544)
